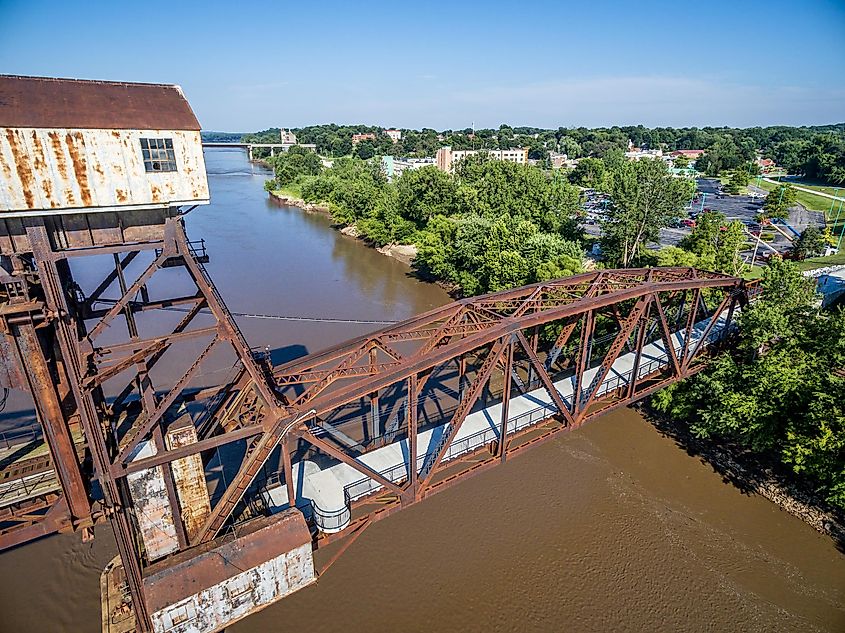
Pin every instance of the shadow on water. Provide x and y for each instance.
(282, 355)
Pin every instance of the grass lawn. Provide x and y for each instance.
(815, 186)
(820, 262)
(292, 191)
(756, 272)
(808, 200)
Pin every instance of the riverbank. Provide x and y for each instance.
(405, 253)
(754, 473)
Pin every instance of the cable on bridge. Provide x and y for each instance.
(277, 317)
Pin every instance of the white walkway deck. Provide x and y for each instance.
(330, 490)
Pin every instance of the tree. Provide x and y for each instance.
(365, 149)
(570, 147)
(426, 192)
(296, 162)
(645, 198)
(680, 161)
(781, 391)
(716, 243)
(589, 172)
(738, 180)
(777, 203)
(811, 243)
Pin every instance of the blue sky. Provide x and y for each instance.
(248, 65)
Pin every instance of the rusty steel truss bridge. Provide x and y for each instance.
(115, 368)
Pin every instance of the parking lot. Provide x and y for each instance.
(710, 197)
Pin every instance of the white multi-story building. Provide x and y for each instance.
(447, 157)
(395, 167)
(395, 135)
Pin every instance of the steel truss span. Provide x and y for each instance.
(342, 404)
(397, 410)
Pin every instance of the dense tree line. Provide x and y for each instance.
(491, 225)
(816, 151)
(783, 390)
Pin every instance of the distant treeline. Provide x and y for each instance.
(222, 137)
(817, 152)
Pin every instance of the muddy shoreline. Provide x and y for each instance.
(405, 253)
(754, 474)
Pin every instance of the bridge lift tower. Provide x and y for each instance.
(96, 179)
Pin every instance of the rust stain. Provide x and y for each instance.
(156, 193)
(121, 195)
(47, 187)
(38, 161)
(59, 153)
(22, 166)
(80, 168)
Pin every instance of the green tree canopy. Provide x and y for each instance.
(777, 203)
(645, 198)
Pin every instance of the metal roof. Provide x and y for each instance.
(44, 102)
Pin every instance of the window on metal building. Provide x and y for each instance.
(158, 154)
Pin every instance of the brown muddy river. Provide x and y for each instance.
(611, 528)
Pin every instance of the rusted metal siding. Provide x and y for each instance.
(189, 479)
(63, 170)
(230, 579)
(152, 507)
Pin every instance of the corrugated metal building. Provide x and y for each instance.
(68, 145)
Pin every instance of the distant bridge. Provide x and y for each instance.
(251, 146)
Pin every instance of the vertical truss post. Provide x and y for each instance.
(288, 467)
(671, 357)
(730, 316)
(506, 399)
(535, 339)
(375, 422)
(587, 323)
(693, 311)
(642, 330)
(412, 436)
(49, 412)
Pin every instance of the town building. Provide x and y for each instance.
(100, 146)
(394, 167)
(638, 153)
(447, 157)
(562, 161)
(765, 164)
(367, 136)
(395, 135)
(691, 154)
(288, 137)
